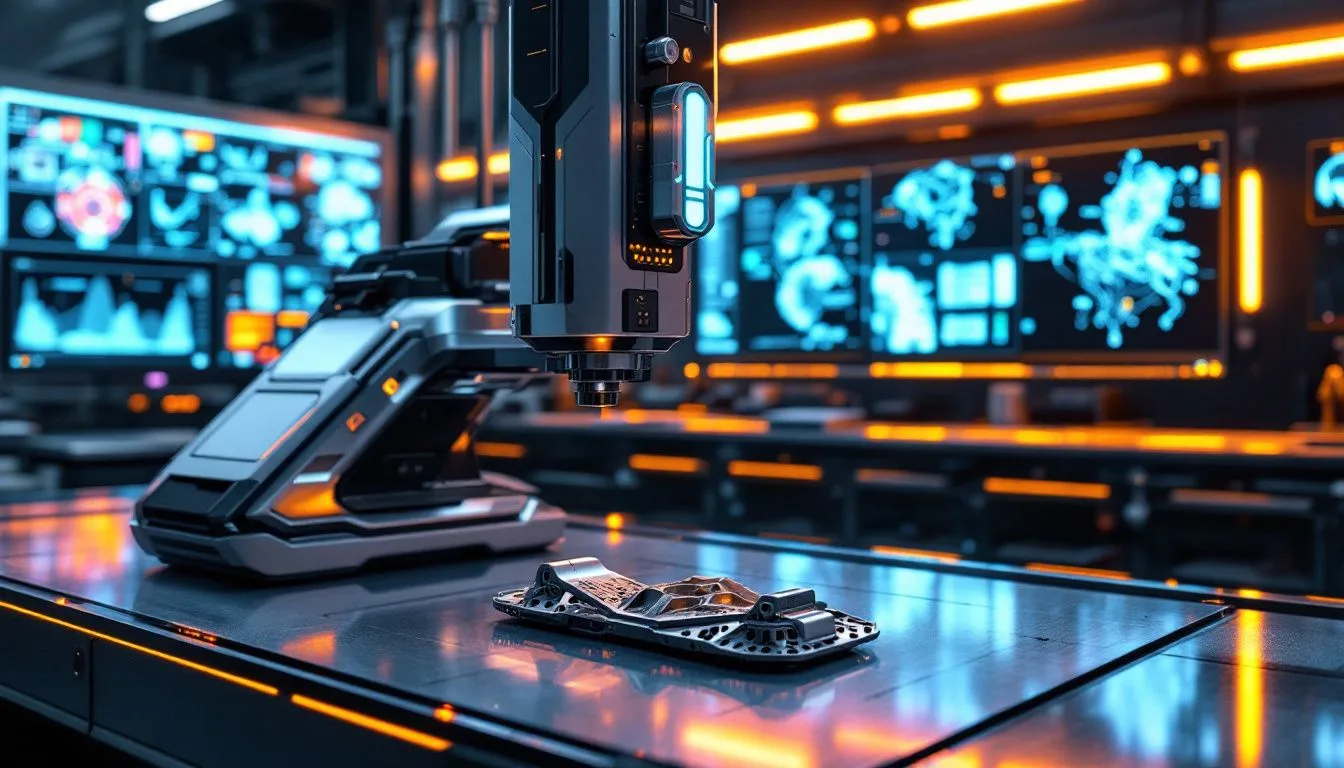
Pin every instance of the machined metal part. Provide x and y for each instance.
(714, 617)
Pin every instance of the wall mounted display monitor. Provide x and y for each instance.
(780, 273)
(1325, 208)
(1123, 249)
(98, 177)
(943, 278)
(82, 313)
(266, 304)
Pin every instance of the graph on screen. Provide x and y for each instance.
(72, 313)
(101, 177)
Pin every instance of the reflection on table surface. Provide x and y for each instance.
(954, 650)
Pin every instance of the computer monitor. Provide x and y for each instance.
(1325, 181)
(1124, 250)
(142, 314)
(778, 275)
(105, 185)
(943, 277)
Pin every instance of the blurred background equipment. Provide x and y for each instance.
(1019, 282)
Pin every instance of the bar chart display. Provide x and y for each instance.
(89, 313)
(99, 177)
(944, 273)
(1122, 250)
(266, 306)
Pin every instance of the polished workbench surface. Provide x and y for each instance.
(969, 670)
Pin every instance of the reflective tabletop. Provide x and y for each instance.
(996, 671)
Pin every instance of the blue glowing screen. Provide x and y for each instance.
(266, 305)
(1327, 181)
(68, 313)
(943, 276)
(105, 178)
(778, 273)
(1121, 250)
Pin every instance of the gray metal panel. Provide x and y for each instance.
(955, 649)
(333, 346)
(259, 424)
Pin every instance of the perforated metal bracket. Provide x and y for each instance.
(715, 617)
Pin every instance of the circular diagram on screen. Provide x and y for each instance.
(92, 206)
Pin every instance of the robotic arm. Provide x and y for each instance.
(356, 445)
(611, 181)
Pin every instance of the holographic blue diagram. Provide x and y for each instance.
(924, 304)
(940, 200)
(1327, 188)
(1132, 259)
(803, 242)
(903, 320)
(717, 285)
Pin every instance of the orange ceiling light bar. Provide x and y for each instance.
(798, 42)
(1089, 83)
(965, 11)
(905, 107)
(1287, 55)
(456, 169)
(466, 168)
(1251, 242)
(766, 126)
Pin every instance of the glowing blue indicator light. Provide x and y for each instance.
(683, 162)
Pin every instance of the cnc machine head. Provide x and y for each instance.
(611, 180)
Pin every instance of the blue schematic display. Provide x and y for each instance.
(798, 251)
(717, 287)
(266, 306)
(82, 313)
(109, 178)
(1326, 193)
(943, 278)
(1121, 250)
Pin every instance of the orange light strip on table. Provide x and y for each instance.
(683, 465)
(963, 11)
(1055, 489)
(269, 690)
(766, 126)
(1070, 570)
(798, 42)
(923, 554)
(1182, 442)
(401, 732)
(767, 470)
(1251, 245)
(918, 105)
(773, 371)
(949, 371)
(1286, 55)
(1084, 83)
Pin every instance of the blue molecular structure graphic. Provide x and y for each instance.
(1135, 261)
(812, 279)
(1329, 185)
(941, 199)
(903, 320)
